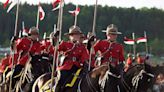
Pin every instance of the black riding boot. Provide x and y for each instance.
(17, 70)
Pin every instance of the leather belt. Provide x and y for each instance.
(110, 59)
(71, 58)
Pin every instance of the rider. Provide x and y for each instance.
(110, 50)
(28, 45)
(47, 44)
(48, 48)
(3, 64)
(75, 55)
(141, 59)
(129, 62)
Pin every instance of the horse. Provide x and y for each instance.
(106, 78)
(87, 82)
(35, 67)
(139, 78)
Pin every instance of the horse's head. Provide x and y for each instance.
(140, 77)
(109, 76)
(102, 70)
(90, 82)
(99, 71)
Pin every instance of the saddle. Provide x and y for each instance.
(74, 79)
(69, 83)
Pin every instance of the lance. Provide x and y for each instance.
(56, 54)
(75, 22)
(21, 31)
(44, 35)
(12, 51)
(20, 34)
(61, 20)
(146, 44)
(23, 25)
(94, 33)
(134, 45)
(94, 19)
(37, 19)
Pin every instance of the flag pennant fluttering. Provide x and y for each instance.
(141, 39)
(41, 13)
(56, 5)
(25, 32)
(5, 4)
(75, 12)
(128, 41)
(13, 3)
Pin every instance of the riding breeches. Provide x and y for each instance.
(65, 75)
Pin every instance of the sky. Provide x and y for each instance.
(118, 3)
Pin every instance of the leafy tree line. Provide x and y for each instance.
(128, 20)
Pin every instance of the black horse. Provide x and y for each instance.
(32, 70)
(107, 78)
(139, 78)
(88, 82)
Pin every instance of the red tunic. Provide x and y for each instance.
(47, 47)
(23, 44)
(129, 61)
(4, 63)
(36, 48)
(24, 59)
(116, 51)
(16, 58)
(140, 60)
(72, 50)
(26, 47)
